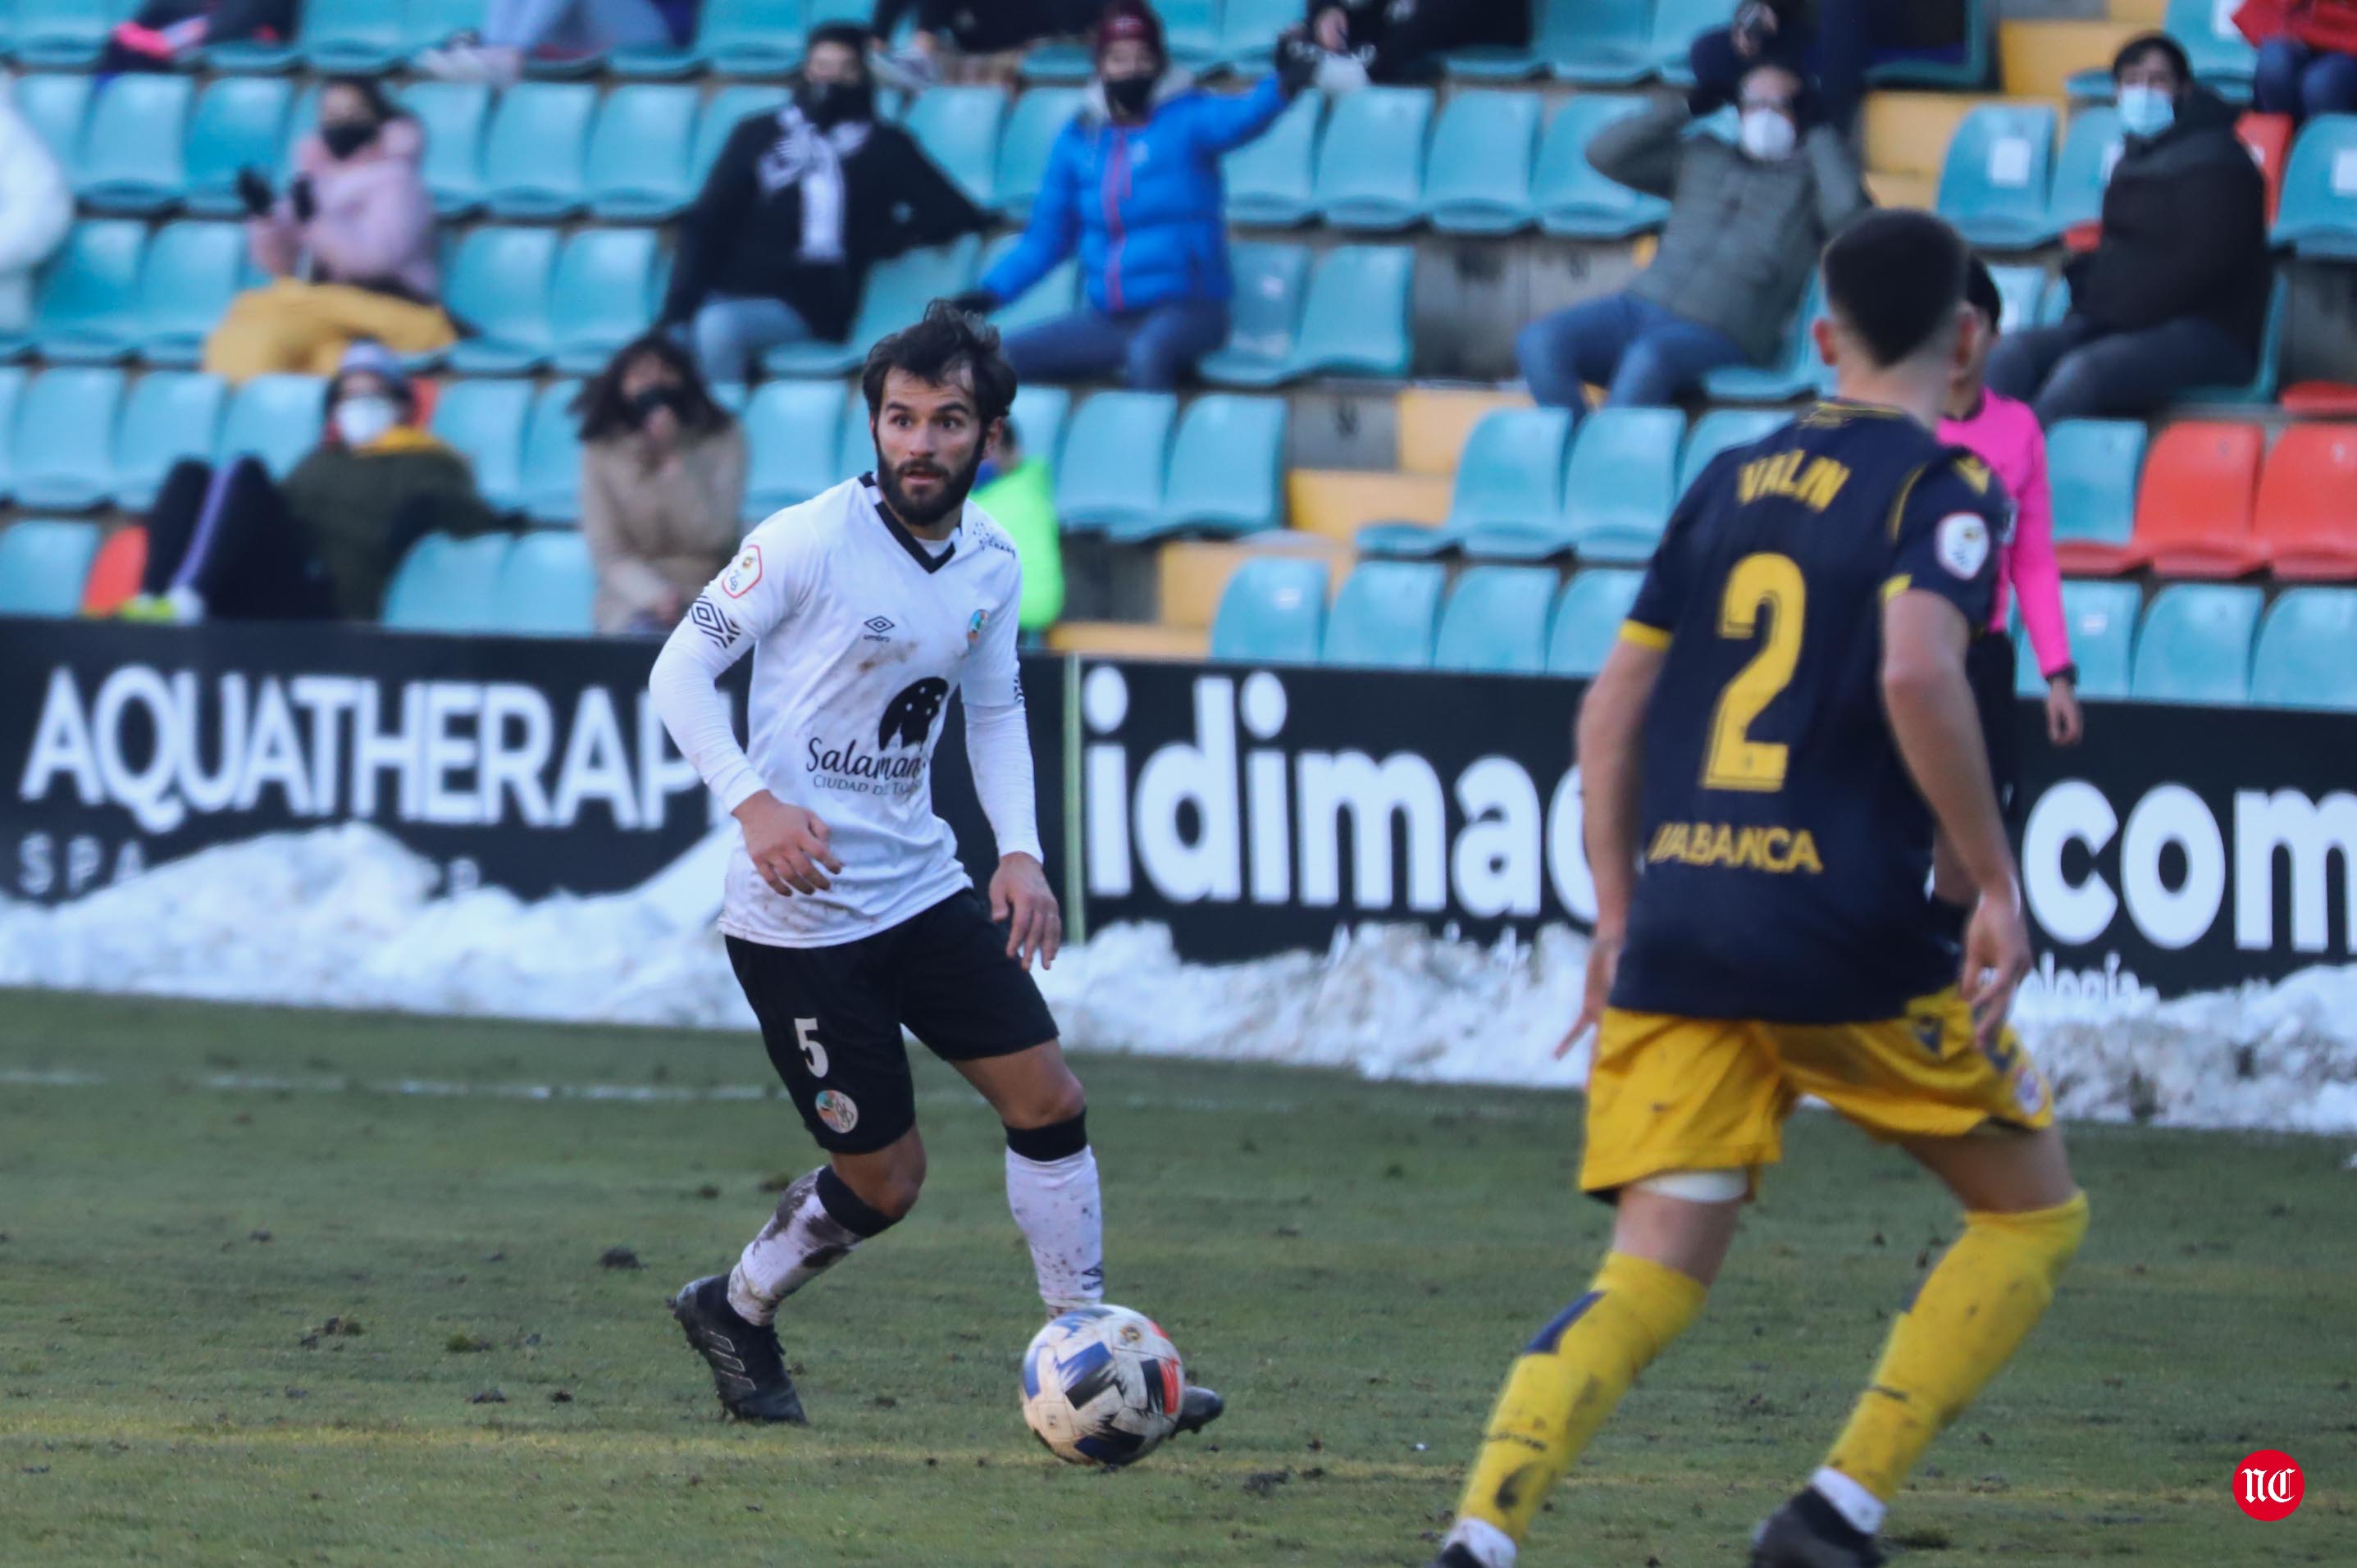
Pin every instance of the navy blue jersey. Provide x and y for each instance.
(1786, 854)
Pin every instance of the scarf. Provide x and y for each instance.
(812, 158)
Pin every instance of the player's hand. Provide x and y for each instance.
(788, 845)
(1603, 965)
(2065, 725)
(1019, 896)
(1996, 957)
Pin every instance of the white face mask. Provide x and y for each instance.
(360, 420)
(1767, 135)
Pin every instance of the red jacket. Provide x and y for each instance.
(2318, 24)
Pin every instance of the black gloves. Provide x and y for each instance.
(976, 300)
(1298, 60)
(307, 205)
(253, 189)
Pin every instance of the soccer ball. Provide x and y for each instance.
(1102, 1386)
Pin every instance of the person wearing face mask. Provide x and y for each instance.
(2174, 296)
(1746, 224)
(229, 542)
(799, 205)
(662, 485)
(1133, 185)
(349, 244)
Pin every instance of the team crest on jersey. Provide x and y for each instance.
(974, 627)
(1962, 542)
(743, 573)
(837, 1109)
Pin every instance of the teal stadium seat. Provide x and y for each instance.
(186, 282)
(452, 115)
(638, 163)
(959, 128)
(1676, 24)
(2260, 389)
(1037, 118)
(239, 121)
(133, 157)
(499, 286)
(2020, 290)
(749, 38)
(13, 380)
(1058, 294)
(63, 456)
(1479, 177)
(1355, 321)
(1264, 334)
(2101, 619)
(1622, 481)
(171, 415)
(449, 584)
(2195, 645)
(536, 152)
(2222, 58)
(547, 586)
(430, 24)
(793, 432)
(56, 106)
(1597, 43)
(723, 112)
(602, 296)
(1273, 612)
(2303, 657)
(1116, 460)
(484, 421)
(87, 307)
(1386, 616)
(1509, 482)
(2319, 216)
(1272, 179)
(1587, 619)
(858, 455)
(1226, 471)
(1797, 372)
(1249, 30)
(1370, 164)
(1039, 414)
(1191, 31)
(1572, 198)
(1496, 622)
(2089, 153)
(43, 561)
(896, 295)
(552, 457)
(63, 34)
(1721, 430)
(302, 121)
(2092, 467)
(274, 418)
(353, 37)
(1995, 183)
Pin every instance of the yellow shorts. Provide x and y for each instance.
(1697, 1094)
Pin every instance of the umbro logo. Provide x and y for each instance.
(877, 627)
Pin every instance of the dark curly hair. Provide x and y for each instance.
(934, 350)
(604, 412)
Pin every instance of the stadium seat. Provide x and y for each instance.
(2222, 58)
(12, 392)
(43, 561)
(1032, 126)
(1265, 333)
(1509, 482)
(535, 154)
(2303, 655)
(1040, 416)
(499, 286)
(552, 457)
(275, 418)
(2020, 291)
(637, 169)
(2101, 619)
(1272, 179)
(2193, 511)
(1797, 371)
(2260, 389)
(2085, 168)
(62, 445)
(723, 112)
(2092, 466)
(1676, 24)
(63, 35)
(1056, 63)
(239, 121)
(1718, 431)
(1272, 611)
(1496, 621)
(186, 280)
(793, 430)
(2319, 217)
(1622, 481)
(56, 106)
(547, 586)
(1116, 457)
(1572, 198)
(2267, 138)
(116, 572)
(430, 24)
(2195, 645)
(896, 295)
(1596, 42)
(453, 114)
(1384, 616)
(959, 128)
(2306, 518)
(1994, 185)
(133, 158)
(1226, 471)
(1058, 294)
(1249, 31)
(87, 307)
(449, 584)
(171, 415)
(1355, 321)
(1587, 619)
(601, 296)
(353, 37)
(302, 121)
(746, 37)
(484, 421)
(1191, 30)
(1479, 181)
(1371, 163)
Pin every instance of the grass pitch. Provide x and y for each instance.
(257, 1305)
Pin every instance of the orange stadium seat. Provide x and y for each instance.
(2268, 136)
(2307, 517)
(2193, 511)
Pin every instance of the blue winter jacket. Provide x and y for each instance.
(1145, 204)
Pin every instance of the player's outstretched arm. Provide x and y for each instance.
(1611, 718)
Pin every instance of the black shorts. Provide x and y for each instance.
(1990, 665)
(831, 1016)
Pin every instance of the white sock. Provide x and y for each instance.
(1057, 1206)
(800, 1241)
(1491, 1547)
(1853, 1503)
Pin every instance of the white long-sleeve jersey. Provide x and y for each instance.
(859, 632)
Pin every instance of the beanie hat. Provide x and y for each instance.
(1129, 19)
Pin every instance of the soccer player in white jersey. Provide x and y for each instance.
(847, 915)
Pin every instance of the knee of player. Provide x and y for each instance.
(892, 1191)
(1059, 1101)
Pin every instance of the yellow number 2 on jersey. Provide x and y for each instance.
(1763, 582)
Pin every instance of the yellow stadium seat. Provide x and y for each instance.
(1335, 503)
(1435, 422)
(2036, 59)
(1902, 190)
(1129, 640)
(1908, 133)
(1194, 573)
(2148, 14)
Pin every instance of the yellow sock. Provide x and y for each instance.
(1970, 1317)
(1566, 1383)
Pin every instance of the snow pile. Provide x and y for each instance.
(345, 918)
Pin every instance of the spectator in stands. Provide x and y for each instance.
(349, 244)
(1016, 489)
(662, 485)
(1404, 40)
(2307, 54)
(1828, 42)
(1134, 184)
(168, 35)
(2175, 294)
(514, 31)
(972, 30)
(233, 543)
(800, 203)
(37, 208)
(1746, 224)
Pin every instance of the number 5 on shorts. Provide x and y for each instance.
(812, 1052)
